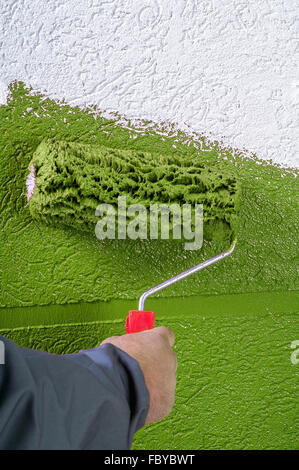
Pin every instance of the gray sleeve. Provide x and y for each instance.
(96, 399)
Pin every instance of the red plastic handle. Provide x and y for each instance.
(140, 320)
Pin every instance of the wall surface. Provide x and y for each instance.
(224, 68)
(235, 322)
(227, 70)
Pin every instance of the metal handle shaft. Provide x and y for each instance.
(184, 274)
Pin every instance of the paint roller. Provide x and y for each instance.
(67, 181)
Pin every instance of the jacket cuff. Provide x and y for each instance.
(125, 373)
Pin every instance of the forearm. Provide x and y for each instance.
(90, 400)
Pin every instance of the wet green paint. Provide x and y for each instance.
(44, 265)
(236, 383)
(165, 308)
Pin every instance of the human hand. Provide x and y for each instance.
(152, 349)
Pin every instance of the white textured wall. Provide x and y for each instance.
(227, 68)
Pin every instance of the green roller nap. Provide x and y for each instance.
(68, 180)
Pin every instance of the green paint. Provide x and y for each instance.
(165, 308)
(43, 265)
(72, 179)
(236, 383)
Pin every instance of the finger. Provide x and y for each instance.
(167, 333)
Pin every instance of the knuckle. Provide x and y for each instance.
(166, 332)
(163, 330)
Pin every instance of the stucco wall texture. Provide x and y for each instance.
(224, 68)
